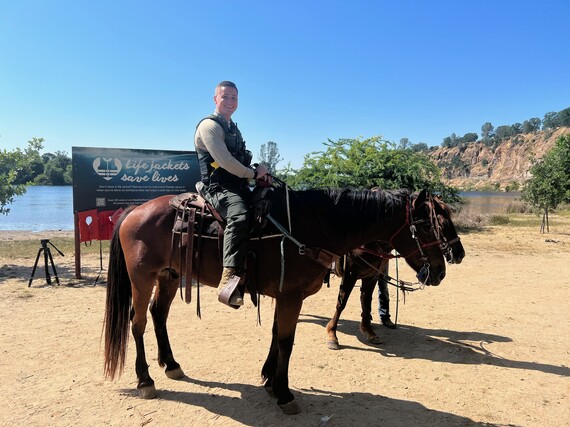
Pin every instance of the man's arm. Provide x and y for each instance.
(210, 137)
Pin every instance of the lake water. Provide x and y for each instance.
(488, 202)
(51, 208)
(41, 208)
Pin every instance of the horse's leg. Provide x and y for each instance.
(346, 286)
(270, 365)
(366, 293)
(160, 307)
(142, 285)
(287, 311)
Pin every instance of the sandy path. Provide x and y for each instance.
(490, 346)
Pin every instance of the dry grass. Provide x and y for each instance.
(18, 252)
(516, 215)
(28, 248)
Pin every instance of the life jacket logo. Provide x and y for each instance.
(107, 167)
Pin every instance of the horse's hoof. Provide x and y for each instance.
(175, 374)
(148, 392)
(375, 340)
(333, 345)
(290, 408)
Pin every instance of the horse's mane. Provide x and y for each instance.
(378, 203)
(369, 204)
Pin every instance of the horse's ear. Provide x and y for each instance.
(421, 199)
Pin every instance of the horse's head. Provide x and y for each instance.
(450, 242)
(418, 241)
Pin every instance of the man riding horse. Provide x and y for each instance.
(225, 170)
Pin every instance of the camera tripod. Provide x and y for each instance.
(47, 256)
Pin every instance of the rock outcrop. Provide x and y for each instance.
(477, 166)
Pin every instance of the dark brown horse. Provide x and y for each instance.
(142, 261)
(368, 264)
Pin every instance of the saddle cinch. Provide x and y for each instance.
(198, 218)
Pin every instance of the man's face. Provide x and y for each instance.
(226, 100)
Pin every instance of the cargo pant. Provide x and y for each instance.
(231, 204)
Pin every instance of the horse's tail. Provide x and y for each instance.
(117, 307)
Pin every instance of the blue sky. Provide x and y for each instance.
(141, 74)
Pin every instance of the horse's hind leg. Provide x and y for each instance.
(159, 309)
(366, 293)
(346, 286)
(142, 290)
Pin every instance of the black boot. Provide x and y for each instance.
(388, 323)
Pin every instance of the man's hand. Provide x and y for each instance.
(263, 179)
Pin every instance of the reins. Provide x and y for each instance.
(425, 270)
(324, 257)
(310, 213)
(400, 284)
(321, 256)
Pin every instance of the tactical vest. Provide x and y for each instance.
(210, 172)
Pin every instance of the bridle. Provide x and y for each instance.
(444, 243)
(412, 225)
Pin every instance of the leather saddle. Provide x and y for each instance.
(196, 217)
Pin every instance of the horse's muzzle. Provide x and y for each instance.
(429, 277)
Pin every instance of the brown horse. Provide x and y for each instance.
(368, 264)
(142, 261)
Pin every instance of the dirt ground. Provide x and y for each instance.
(490, 346)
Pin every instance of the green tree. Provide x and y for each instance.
(504, 131)
(531, 125)
(455, 140)
(452, 141)
(57, 169)
(366, 163)
(404, 143)
(470, 137)
(550, 182)
(28, 172)
(550, 120)
(269, 156)
(12, 163)
(419, 147)
(564, 117)
(517, 128)
(487, 131)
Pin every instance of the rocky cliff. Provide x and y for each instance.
(505, 166)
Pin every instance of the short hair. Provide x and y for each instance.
(226, 83)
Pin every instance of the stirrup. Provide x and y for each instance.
(225, 295)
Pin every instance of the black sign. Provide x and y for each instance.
(111, 178)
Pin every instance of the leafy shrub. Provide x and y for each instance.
(518, 206)
(467, 219)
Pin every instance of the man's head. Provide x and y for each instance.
(226, 98)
